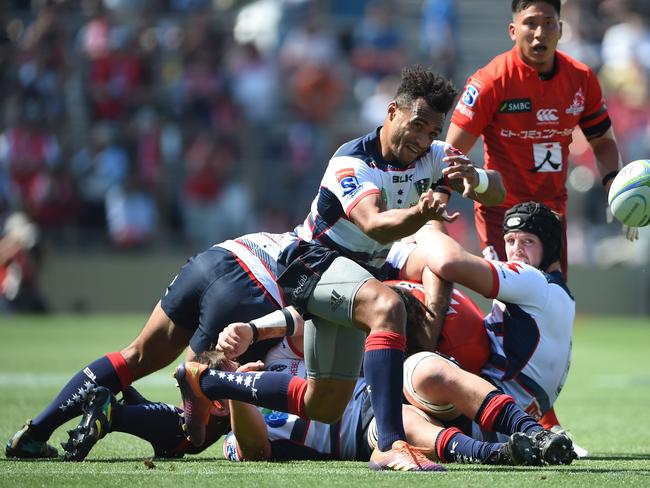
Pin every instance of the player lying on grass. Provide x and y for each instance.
(261, 434)
(233, 280)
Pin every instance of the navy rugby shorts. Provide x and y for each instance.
(211, 291)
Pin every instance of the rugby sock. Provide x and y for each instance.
(382, 367)
(500, 413)
(549, 419)
(158, 423)
(277, 391)
(454, 446)
(110, 371)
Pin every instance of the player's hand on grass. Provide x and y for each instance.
(234, 339)
(435, 209)
(460, 167)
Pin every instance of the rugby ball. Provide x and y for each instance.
(629, 195)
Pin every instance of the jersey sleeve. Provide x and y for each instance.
(350, 180)
(477, 105)
(518, 283)
(595, 118)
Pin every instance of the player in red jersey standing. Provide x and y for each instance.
(525, 103)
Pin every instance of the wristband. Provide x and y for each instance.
(483, 181)
(291, 325)
(256, 333)
(609, 176)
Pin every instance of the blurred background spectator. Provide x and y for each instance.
(155, 123)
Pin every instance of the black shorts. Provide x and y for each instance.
(302, 264)
(211, 291)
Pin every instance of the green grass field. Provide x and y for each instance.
(606, 405)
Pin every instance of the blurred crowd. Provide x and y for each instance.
(140, 123)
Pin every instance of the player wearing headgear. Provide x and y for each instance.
(530, 325)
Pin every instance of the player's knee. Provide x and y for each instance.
(388, 312)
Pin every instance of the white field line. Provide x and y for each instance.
(36, 380)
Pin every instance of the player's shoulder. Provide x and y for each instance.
(572, 63)
(361, 149)
(556, 278)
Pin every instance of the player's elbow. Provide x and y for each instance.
(447, 264)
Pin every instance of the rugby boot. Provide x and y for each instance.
(581, 452)
(554, 448)
(402, 457)
(94, 425)
(23, 445)
(518, 451)
(196, 405)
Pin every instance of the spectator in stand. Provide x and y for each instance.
(131, 214)
(377, 45)
(438, 38)
(19, 267)
(97, 167)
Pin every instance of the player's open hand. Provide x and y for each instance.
(460, 167)
(248, 367)
(433, 208)
(234, 339)
(632, 233)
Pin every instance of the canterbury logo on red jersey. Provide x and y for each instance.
(547, 115)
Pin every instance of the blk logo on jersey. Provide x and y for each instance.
(516, 106)
(547, 158)
(402, 178)
(470, 95)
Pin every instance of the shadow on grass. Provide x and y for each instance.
(620, 457)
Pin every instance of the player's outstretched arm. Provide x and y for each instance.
(484, 186)
(451, 262)
(609, 162)
(387, 226)
(235, 339)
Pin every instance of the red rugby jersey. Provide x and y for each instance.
(526, 122)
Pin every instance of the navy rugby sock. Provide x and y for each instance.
(454, 446)
(382, 366)
(158, 423)
(500, 413)
(267, 389)
(110, 371)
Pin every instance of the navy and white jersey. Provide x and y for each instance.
(258, 255)
(530, 328)
(357, 170)
(295, 438)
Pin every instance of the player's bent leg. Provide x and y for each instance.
(158, 344)
(441, 388)
(325, 399)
